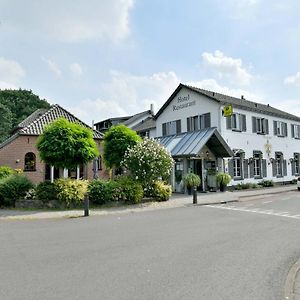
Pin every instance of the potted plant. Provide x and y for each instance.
(223, 179)
(190, 181)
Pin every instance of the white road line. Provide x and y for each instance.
(267, 202)
(284, 214)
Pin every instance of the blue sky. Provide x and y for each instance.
(101, 59)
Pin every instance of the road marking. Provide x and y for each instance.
(284, 214)
(267, 202)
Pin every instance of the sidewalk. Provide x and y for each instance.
(292, 284)
(177, 200)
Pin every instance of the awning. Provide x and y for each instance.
(190, 144)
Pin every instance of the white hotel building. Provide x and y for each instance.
(258, 142)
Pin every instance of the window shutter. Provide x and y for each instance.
(164, 129)
(230, 167)
(244, 127)
(245, 168)
(178, 126)
(275, 127)
(264, 168)
(284, 168)
(202, 122)
(251, 169)
(207, 120)
(285, 129)
(293, 165)
(293, 130)
(266, 121)
(228, 122)
(188, 124)
(274, 168)
(254, 129)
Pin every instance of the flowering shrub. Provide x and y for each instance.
(148, 162)
(162, 191)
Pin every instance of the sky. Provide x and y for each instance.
(108, 58)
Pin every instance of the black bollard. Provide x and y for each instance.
(195, 195)
(86, 206)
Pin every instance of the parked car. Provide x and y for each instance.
(298, 183)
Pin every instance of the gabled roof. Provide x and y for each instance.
(190, 144)
(148, 123)
(38, 120)
(137, 116)
(236, 102)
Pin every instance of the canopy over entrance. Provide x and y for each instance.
(190, 144)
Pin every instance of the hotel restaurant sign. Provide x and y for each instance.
(183, 102)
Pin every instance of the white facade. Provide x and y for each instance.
(260, 155)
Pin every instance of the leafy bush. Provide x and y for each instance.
(223, 178)
(71, 192)
(5, 171)
(46, 191)
(266, 183)
(132, 190)
(147, 162)
(192, 180)
(162, 191)
(13, 188)
(97, 191)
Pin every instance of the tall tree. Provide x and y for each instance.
(116, 141)
(17, 105)
(66, 145)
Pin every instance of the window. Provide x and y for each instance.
(280, 128)
(260, 125)
(257, 164)
(30, 162)
(99, 163)
(237, 166)
(198, 122)
(295, 131)
(278, 164)
(297, 163)
(171, 128)
(237, 122)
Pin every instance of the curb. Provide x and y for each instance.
(290, 281)
(268, 193)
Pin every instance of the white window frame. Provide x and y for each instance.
(257, 165)
(279, 166)
(236, 122)
(260, 125)
(296, 131)
(238, 166)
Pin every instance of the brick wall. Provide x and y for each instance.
(13, 155)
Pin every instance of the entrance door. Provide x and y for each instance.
(198, 171)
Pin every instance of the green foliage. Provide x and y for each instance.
(71, 192)
(15, 106)
(121, 189)
(223, 178)
(13, 188)
(192, 180)
(132, 190)
(46, 191)
(97, 191)
(148, 162)
(162, 191)
(5, 171)
(66, 145)
(116, 142)
(266, 183)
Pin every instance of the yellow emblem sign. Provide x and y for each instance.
(227, 110)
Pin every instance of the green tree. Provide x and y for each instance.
(116, 142)
(6, 122)
(148, 162)
(66, 145)
(16, 106)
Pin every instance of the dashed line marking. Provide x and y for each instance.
(284, 214)
(266, 202)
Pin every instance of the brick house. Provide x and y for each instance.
(19, 150)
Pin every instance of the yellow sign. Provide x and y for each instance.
(227, 110)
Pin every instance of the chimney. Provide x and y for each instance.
(152, 108)
(242, 97)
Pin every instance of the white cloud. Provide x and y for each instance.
(227, 66)
(127, 94)
(53, 66)
(75, 69)
(70, 21)
(293, 79)
(11, 73)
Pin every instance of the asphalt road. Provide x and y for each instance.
(235, 251)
